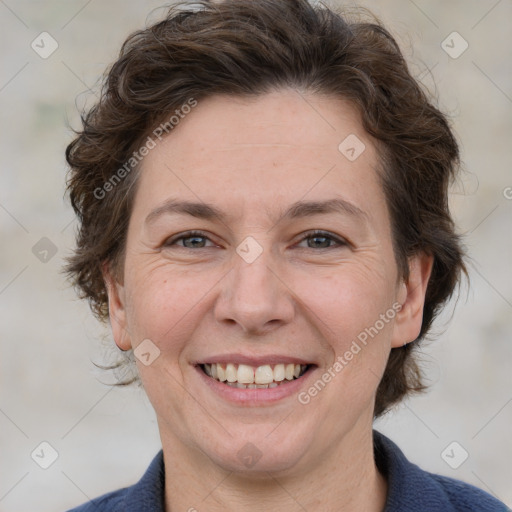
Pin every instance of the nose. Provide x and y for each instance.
(254, 296)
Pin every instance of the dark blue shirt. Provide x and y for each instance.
(410, 489)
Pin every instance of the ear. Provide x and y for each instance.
(117, 309)
(412, 298)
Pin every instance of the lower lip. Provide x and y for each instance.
(258, 396)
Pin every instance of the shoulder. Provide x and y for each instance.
(147, 495)
(465, 497)
(411, 489)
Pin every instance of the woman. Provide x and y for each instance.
(262, 191)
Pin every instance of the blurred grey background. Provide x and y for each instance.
(105, 437)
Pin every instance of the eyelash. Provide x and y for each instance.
(309, 234)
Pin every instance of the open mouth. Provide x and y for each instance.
(244, 376)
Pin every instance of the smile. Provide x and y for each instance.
(244, 376)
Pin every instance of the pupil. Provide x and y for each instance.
(324, 238)
(194, 241)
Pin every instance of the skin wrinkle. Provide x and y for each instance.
(300, 209)
(270, 145)
(310, 302)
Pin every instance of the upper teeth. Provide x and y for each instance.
(246, 374)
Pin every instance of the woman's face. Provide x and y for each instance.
(257, 288)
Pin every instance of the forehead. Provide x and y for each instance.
(264, 153)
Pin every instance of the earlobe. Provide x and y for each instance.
(116, 309)
(412, 298)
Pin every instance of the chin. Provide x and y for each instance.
(260, 450)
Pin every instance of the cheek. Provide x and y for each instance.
(163, 301)
(356, 320)
(347, 300)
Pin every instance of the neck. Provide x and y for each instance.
(344, 480)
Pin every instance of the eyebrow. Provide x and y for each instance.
(300, 209)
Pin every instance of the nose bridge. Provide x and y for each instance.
(253, 296)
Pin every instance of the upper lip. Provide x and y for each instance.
(255, 361)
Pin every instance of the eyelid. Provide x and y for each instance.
(187, 234)
(327, 234)
(304, 236)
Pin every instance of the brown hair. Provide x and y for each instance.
(247, 48)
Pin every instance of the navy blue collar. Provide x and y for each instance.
(149, 493)
(410, 489)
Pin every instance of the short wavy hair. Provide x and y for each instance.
(248, 48)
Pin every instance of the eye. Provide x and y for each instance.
(190, 239)
(323, 240)
(197, 240)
